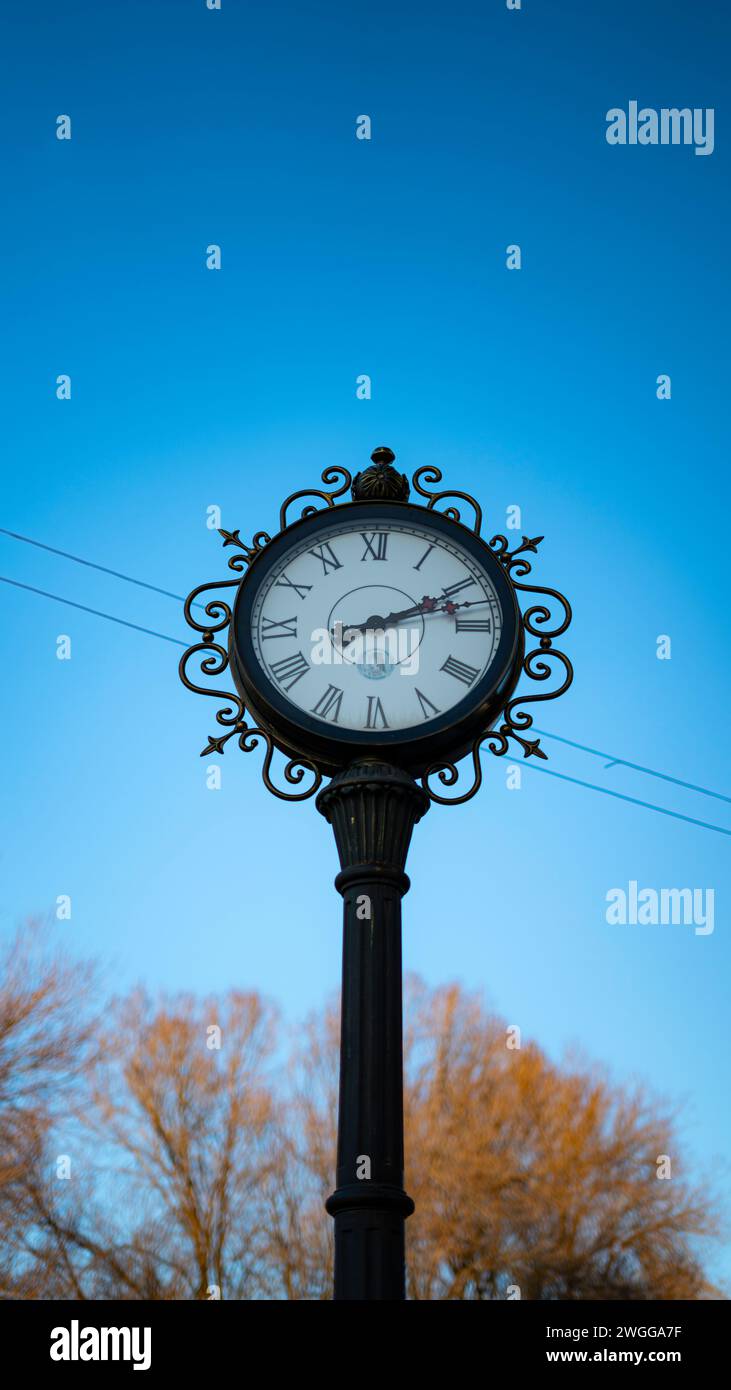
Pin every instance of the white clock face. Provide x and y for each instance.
(373, 626)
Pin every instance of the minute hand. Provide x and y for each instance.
(427, 605)
(432, 605)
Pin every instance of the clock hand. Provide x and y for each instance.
(376, 622)
(427, 605)
(432, 605)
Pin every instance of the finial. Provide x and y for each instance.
(383, 454)
(381, 482)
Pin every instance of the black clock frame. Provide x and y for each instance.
(527, 648)
(296, 734)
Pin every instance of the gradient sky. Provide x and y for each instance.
(193, 388)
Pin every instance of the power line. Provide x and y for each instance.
(649, 805)
(585, 748)
(96, 611)
(91, 565)
(591, 786)
(622, 762)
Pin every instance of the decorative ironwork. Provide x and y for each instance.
(381, 481)
(433, 475)
(213, 656)
(294, 769)
(213, 661)
(237, 562)
(329, 476)
(209, 628)
(509, 559)
(536, 664)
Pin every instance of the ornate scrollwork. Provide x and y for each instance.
(294, 769)
(329, 476)
(536, 664)
(213, 661)
(433, 475)
(509, 559)
(237, 562)
(213, 657)
(517, 721)
(448, 774)
(215, 609)
(381, 481)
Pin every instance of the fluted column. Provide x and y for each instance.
(373, 809)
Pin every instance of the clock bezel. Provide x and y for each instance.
(448, 738)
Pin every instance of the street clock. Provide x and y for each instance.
(377, 642)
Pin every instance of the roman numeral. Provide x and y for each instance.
(375, 551)
(271, 628)
(327, 555)
(473, 624)
(426, 552)
(331, 700)
(427, 708)
(286, 583)
(460, 670)
(289, 670)
(458, 587)
(375, 712)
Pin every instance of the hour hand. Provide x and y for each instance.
(376, 623)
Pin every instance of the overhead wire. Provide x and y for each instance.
(586, 748)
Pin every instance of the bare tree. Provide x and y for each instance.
(47, 1029)
(530, 1180)
(197, 1171)
(183, 1113)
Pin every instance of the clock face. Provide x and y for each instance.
(373, 623)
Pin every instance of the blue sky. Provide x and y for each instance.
(193, 388)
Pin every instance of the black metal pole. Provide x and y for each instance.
(373, 809)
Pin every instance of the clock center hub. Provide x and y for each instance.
(365, 638)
